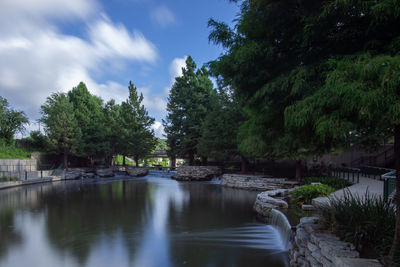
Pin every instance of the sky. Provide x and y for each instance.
(50, 46)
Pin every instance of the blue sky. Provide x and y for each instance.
(51, 45)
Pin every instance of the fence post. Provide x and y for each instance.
(41, 174)
(26, 175)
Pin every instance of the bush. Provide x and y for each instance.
(8, 179)
(333, 182)
(12, 152)
(368, 222)
(305, 194)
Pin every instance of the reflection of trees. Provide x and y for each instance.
(8, 235)
(77, 221)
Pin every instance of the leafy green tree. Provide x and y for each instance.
(137, 136)
(161, 144)
(11, 122)
(89, 114)
(61, 125)
(188, 104)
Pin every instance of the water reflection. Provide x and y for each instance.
(134, 222)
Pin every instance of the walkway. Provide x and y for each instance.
(374, 187)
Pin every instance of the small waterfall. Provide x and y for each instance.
(279, 220)
(162, 174)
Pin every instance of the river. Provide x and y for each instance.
(149, 221)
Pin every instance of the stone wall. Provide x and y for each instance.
(255, 182)
(197, 173)
(314, 247)
(17, 167)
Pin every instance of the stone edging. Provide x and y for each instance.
(314, 247)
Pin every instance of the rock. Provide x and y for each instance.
(89, 175)
(256, 182)
(105, 172)
(136, 172)
(355, 262)
(73, 174)
(306, 207)
(197, 173)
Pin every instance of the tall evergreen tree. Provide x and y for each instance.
(61, 125)
(188, 104)
(113, 129)
(137, 136)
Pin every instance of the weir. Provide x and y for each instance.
(281, 223)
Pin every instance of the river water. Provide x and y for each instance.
(150, 221)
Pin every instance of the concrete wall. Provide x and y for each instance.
(18, 167)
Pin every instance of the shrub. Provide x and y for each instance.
(8, 179)
(368, 222)
(334, 182)
(304, 194)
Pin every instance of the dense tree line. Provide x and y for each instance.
(79, 123)
(312, 76)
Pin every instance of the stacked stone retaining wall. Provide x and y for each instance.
(17, 167)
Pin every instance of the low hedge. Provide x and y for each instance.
(305, 194)
(336, 183)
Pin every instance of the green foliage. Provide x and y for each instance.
(333, 182)
(306, 193)
(11, 122)
(118, 160)
(35, 141)
(161, 144)
(61, 125)
(9, 179)
(12, 152)
(137, 137)
(220, 128)
(88, 111)
(366, 221)
(188, 104)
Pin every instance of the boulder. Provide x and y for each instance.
(136, 172)
(108, 172)
(197, 173)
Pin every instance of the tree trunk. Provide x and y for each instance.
(173, 162)
(299, 173)
(191, 159)
(395, 250)
(204, 161)
(137, 161)
(244, 164)
(123, 161)
(66, 158)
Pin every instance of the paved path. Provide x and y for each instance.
(374, 187)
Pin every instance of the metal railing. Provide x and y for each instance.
(389, 184)
(352, 174)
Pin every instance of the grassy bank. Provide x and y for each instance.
(12, 152)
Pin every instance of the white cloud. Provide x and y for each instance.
(175, 70)
(158, 129)
(36, 62)
(163, 16)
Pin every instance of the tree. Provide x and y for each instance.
(113, 129)
(220, 128)
(90, 117)
(188, 104)
(61, 125)
(137, 136)
(11, 122)
(298, 67)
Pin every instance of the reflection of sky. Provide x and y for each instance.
(154, 248)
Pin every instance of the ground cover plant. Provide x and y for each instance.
(305, 194)
(12, 152)
(367, 221)
(8, 179)
(336, 183)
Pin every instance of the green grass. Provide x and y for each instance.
(8, 179)
(119, 161)
(12, 152)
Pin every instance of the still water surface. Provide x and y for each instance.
(151, 221)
